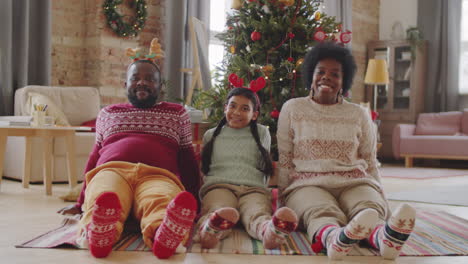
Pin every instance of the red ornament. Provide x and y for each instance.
(275, 114)
(256, 35)
(374, 115)
(291, 35)
(345, 37)
(290, 59)
(319, 35)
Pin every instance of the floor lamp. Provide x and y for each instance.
(376, 74)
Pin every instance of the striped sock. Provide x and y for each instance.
(391, 237)
(339, 241)
(180, 213)
(101, 230)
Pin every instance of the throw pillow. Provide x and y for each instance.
(464, 121)
(91, 124)
(445, 123)
(52, 108)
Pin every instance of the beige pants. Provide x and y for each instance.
(253, 204)
(317, 206)
(148, 190)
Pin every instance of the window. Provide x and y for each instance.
(218, 9)
(463, 76)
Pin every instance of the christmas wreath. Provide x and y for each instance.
(116, 23)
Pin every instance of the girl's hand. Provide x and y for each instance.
(69, 210)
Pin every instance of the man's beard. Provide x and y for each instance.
(148, 102)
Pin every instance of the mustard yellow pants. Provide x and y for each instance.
(141, 188)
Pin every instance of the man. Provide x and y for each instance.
(142, 162)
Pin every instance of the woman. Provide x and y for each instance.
(328, 165)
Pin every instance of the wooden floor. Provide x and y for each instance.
(26, 213)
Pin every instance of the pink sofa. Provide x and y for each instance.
(434, 136)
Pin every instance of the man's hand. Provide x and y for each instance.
(69, 210)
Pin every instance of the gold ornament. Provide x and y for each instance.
(236, 4)
(287, 2)
(317, 15)
(233, 49)
(268, 69)
(299, 62)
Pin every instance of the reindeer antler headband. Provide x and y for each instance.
(255, 85)
(155, 52)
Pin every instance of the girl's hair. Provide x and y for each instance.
(266, 165)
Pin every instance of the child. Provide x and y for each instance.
(235, 162)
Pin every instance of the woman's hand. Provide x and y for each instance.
(69, 210)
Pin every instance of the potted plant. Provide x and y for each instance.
(415, 38)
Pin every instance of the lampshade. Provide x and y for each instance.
(376, 72)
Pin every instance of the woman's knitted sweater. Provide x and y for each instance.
(326, 145)
(236, 158)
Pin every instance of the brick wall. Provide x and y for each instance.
(365, 28)
(86, 52)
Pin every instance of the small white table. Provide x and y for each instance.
(46, 134)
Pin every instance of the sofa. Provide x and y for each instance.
(434, 136)
(69, 106)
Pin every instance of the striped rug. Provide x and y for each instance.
(435, 234)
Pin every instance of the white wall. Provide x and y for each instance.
(392, 11)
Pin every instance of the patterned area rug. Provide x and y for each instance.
(420, 173)
(435, 234)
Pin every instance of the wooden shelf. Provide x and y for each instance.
(393, 107)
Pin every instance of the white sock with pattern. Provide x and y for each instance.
(339, 241)
(391, 237)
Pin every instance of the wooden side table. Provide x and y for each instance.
(46, 134)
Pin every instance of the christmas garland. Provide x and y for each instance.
(116, 23)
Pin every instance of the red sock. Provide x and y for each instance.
(101, 230)
(178, 221)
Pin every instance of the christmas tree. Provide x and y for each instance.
(266, 41)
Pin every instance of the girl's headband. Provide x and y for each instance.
(255, 85)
